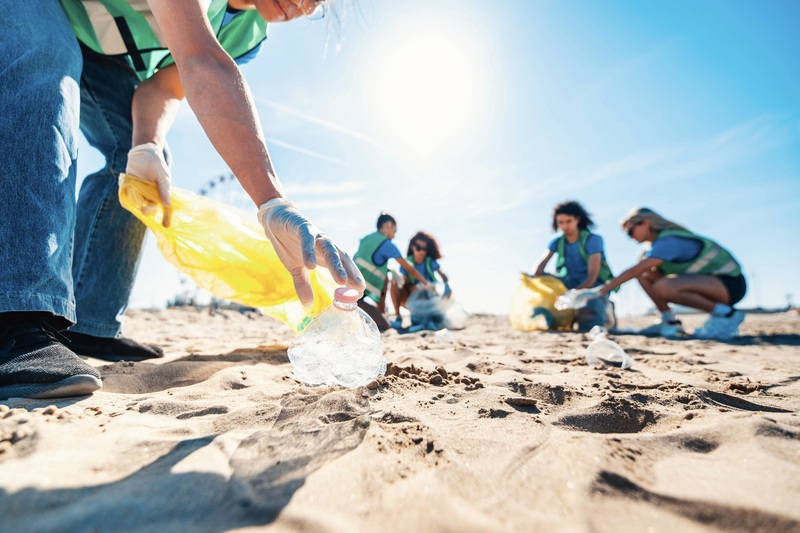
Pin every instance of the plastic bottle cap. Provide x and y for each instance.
(346, 295)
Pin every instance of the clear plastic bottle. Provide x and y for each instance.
(604, 351)
(340, 346)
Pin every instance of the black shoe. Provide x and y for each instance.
(34, 363)
(111, 348)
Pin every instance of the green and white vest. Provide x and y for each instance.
(561, 268)
(374, 275)
(426, 265)
(713, 259)
(127, 28)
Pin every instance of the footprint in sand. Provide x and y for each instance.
(617, 415)
(709, 514)
(311, 430)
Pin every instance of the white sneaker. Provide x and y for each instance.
(669, 330)
(720, 327)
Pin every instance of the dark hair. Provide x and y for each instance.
(430, 244)
(384, 218)
(574, 209)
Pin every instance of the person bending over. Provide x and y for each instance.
(682, 267)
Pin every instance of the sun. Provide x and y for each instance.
(425, 87)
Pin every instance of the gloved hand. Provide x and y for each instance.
(447, 291)
(301, 247)
(146, 162)
(576, 298)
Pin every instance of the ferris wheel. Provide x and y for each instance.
(226, 188)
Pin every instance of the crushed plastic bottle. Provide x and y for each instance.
(576, 298)
(596, 332)
(444, 336)
(604, 351)
(340, 346)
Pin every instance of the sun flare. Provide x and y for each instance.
(426, 89)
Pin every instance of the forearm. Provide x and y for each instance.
(538, 270)
(592, 273)
(221, 101)
(629, 274)
(155, 106)
(413, 272)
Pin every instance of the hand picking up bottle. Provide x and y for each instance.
(577, 298)
(340, 346)
(301, 247)
(602, 351)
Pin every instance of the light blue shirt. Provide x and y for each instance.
(422, 270)
(577, 268)
(674, 249)
(387, 250)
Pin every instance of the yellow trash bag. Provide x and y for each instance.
(224, 250)
(533, 305)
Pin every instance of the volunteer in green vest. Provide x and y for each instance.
(130, 93)
(372, 259)
(684, 268)
(581, 262)
(40, 97)
(423, 254)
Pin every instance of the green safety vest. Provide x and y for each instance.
(561, 267)
(426, 265)
(713, 259)
(374, 275)
(127, 28)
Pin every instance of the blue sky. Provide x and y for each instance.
(471, 121)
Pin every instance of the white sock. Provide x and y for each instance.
(721, 310)
(668, 317)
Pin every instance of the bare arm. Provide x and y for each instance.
(636, 270)
(542, 263)
(219, 95)
(155, 105)
(594, 271)
(442, 274)
(413, 272)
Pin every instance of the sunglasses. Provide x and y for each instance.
(419, 248)
(630, 230)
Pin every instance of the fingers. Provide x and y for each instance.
(302, 286)
(307, 247)
(166, 218)
(354, 279)
(329, 255)
(166, 201)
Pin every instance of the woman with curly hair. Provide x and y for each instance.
(581, 262)
(423, 254)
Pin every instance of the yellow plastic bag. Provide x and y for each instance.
(533, 305)
(224, 250)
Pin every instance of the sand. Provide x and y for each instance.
(498, 430)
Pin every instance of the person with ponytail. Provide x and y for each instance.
(682, 267)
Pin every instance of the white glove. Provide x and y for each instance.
(146, 162)
(301, 247)
(576, 298)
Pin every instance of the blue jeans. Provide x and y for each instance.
(108, 239)
(78, 264)
(594, 314)
(40, 65)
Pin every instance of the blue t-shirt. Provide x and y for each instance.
(387, 250)
(577, 268)
(422, 270)
(249, 56)
(674, 249)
